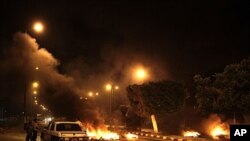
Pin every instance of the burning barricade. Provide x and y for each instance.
(191, 133)
(101, 133)
(216, 128)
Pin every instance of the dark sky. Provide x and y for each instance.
(186, 37)
(175, 39)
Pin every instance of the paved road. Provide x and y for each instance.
(18, 135)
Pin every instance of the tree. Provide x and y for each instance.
(155, 97)
(227, 92)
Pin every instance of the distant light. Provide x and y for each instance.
(90, 94)
(97, 94)
(35, 84)
(38, 27)
(37, 68)
(108, 87)
(116, 87)
(35, 92)
(140, 74)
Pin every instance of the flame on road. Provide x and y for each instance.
(219, 130)
(191, 134)
(215, 127)
(130, 136)
(101, 133)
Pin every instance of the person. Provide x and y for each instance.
(34, 130)
(29, 130)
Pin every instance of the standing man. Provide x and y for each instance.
(35, 129)
(29, 131)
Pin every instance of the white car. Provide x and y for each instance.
(63, 131)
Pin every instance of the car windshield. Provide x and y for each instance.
(68, 127)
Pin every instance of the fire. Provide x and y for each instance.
(190, 134)
(101, 133)
(219, 130)
(130, 136)
(216, 128)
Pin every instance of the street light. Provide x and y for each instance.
(140, 74)
(35, 84)
(90, 94)
(38, 27)
(34, 92)
(110, 87)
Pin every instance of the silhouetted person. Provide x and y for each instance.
(34, 130)
(29, 131)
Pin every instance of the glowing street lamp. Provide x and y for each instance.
(38, 27)
(34, 92)
(116, 87)
(111, 88)
(108, 87)
(140, 74)
(35, 84)
(90, 94)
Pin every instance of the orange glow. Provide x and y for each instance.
(101, 133)
(38, 27)
(140, 74)
(155, 127)
(90, 94)
(190, 134)
(35, 84)
(108, 87)
(219, 130)
(116, 87)
(130, 136)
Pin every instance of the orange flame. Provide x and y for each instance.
(130, 136)
(219, 130)
(191, 134)
(216, 128)
(101, 133)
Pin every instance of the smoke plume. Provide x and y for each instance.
(57, 92)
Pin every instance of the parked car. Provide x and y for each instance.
(63, 131)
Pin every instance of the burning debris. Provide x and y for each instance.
(219, 130)
(130, 136)
(101, 133)
(191, 134)
(216, 128)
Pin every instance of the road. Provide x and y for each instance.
(19, 135)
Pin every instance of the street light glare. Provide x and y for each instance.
(108, 87)
(90, 94)
(116, 87)
(35, 84)
(38, 27)
(140, 74)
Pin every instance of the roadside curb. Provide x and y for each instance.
(163, 137)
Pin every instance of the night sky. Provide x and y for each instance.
(91, 39)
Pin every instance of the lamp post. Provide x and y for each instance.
(38, 28)
(111, 88)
